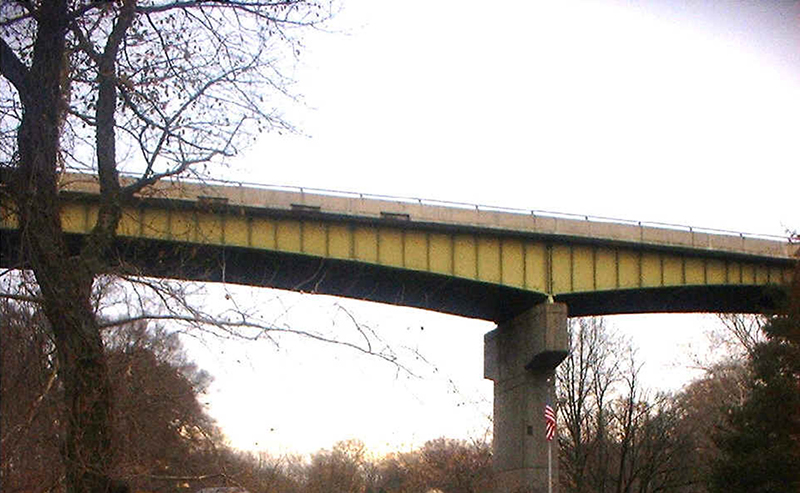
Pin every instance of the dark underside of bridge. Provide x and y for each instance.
(398, 286)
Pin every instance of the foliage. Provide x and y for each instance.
(451, 466)
(340, 469)
(30, 402)
(163, 88)
(194, 80)
(161, 428)
(613, 436)
(445, 464)
(704, 403)
(759, 440)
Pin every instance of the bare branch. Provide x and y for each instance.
(228, 326)
(22, 298)
(14, 70)
(19, 18)
(16, 432)
(745, 329)
(255, 8)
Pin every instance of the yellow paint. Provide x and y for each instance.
(734, 273)
(262, 234)
(787, 275)
(672, 270)
(182, 226)
(129, 223)
(236, 231)
(288, 236)
(315, 238)
(91, 217)
(73, 217)
(715, 271)
(209, 229)
(629, 275)
(748, 274)
(762, 275)
(390, 247)
(489, 259)
(536, 267)
(605, 269)
(416, 250)
(340, 241)
(513, 263)
(155, 224)
(651, 270)
(365, 244)
(561, 269)
(465, 262)
(582, 268)
(776, 275)
(440, 253)
(695, 271)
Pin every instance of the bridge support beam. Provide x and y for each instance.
(520, 356)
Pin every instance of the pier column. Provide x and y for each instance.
(520, 356)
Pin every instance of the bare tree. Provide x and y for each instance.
(29, 400)
(161, 87)
(160, 428)
(615, 437)
(584, 382)
(740, 333)
(261, 472)
(442, 464)
(339, 469)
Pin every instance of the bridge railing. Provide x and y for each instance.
(491, 208)
(474, 207)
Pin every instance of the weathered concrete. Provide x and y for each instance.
(520, 356)
(472, 262)
(439, 213)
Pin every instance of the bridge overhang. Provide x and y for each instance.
(463, 297)
(481, 263)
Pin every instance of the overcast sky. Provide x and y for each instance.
(678, 112)
(596, 107)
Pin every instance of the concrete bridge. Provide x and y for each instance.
(525, 270)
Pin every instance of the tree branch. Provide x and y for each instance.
(148, 178)
(253, 8)
(105, 134)
(22, 298)
(246, 323)
(15, 71)
(32, 412)
(13, 20)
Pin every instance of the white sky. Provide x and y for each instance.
(672, 112)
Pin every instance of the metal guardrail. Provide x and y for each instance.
(476, 207)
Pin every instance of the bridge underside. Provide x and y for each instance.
(383, 284)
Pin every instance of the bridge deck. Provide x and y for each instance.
(481, 262)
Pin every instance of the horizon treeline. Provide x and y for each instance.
(614, 434)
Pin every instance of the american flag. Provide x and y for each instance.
(549, 422)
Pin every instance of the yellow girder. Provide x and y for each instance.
(540, 256)
(555, 266)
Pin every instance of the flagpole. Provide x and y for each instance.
(550, 438)
(549, 466)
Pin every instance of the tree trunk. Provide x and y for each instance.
(87, 448)
(65, 282)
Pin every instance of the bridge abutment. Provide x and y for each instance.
(520, 356)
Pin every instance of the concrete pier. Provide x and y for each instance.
(520, 356)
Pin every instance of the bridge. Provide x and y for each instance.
(525, 270)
